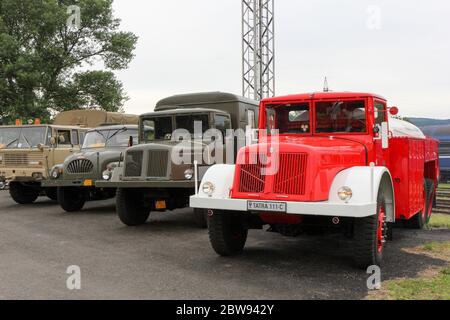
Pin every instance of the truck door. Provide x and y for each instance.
(64, 146)
(381, 135)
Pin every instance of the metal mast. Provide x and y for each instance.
(258, 49)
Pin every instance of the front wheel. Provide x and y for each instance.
(131, 207)
(370, 235)
(71, 199)
(23, 194)
(227, 233)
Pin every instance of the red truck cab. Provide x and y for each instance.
(332, 161)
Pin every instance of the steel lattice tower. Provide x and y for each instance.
(258, 49)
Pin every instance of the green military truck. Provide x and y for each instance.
(99, 154)
(149, 179)
(28, 152)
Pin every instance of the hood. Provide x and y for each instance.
(297, 168)
(105, 156)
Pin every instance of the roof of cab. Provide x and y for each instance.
(322, 96)
(201, 98)
(116, 127)
(183, 111)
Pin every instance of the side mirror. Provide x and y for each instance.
(393, 111)
(52, 141)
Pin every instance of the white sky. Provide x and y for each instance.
(195, 45)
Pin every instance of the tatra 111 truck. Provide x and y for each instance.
(324, 163)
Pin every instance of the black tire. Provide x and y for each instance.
(431, 195)
(367, 250)
(201, 218)
(71, 199)
(23, 194)
(131, 208)
(227, 233)
(51, 193)
(419, 221)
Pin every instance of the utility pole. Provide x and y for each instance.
(258, 49)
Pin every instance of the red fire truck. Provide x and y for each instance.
(325, 162)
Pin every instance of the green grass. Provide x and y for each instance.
(438, 247)
(440, 221)
(437, 288)
(444, 186)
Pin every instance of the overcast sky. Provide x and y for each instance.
(195, 45)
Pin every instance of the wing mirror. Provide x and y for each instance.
(52, 141)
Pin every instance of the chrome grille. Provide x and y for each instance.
(133, 164)
(80, 166)
(157, 163)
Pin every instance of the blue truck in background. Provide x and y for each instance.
(442, 133)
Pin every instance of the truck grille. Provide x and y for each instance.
(157, 163)
(252, 177)
(80, 166)
(26, 160)
(133, 164)
(291, 177)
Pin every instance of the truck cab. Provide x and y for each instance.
(150, 178)
(325, 162)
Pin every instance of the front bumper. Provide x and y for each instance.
(66, 183)
(146, 184)
(295, 208)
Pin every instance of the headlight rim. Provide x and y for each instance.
(189, 174)
(208, 188)
(345, 193)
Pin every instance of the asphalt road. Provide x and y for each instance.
(169, 258)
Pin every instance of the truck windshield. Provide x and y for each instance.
(289, 118)
(109, 138)
(162, 128)
(22, 138)
(340, 117)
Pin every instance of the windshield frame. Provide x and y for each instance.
(174, 123)
(108, 136)
(263, 125)
(15, 143)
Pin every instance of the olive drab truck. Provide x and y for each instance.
(150, 178)
(325, 163)
(29, 152)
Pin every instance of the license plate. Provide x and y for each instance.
(88, 183)
(160, 205)
(266, 206)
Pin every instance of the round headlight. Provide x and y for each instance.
(106, 175)
(345, 194)
(55, 173)
(189, 174)
(208, 188)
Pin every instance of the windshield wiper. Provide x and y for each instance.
(12, 142)
(116, 133)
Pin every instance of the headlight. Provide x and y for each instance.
(345, 194)
(208, 188)
(56, 173)
(189, 174)
(106, 175)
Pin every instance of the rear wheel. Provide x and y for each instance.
(370, 235)
(51, 193)
(23, 194)
(71, 199)
(131, 208)
(227, 233)
(431, 191)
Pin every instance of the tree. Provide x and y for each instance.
(44, 61)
